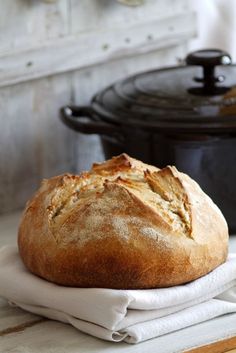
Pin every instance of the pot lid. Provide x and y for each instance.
(200, 94)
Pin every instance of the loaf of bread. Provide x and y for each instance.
(124, 225)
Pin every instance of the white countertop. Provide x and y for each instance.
(21, 332)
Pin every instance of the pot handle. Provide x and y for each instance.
(209, 59)
(73, 116)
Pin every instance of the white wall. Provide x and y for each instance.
(64, 52)
(216, 25)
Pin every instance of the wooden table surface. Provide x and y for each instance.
(22, 332)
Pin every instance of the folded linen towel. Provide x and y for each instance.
(116, 315)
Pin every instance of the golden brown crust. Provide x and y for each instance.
(122, 225)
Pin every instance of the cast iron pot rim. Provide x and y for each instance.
(198, 125)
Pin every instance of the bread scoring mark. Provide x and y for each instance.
(168, 184)
(160, 189)
(114, 165)
(72, 191)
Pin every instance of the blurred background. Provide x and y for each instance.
(57, 52)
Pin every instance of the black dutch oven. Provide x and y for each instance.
(183, 116)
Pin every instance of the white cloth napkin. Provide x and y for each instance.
(116, 315)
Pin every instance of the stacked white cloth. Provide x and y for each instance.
(116, 315)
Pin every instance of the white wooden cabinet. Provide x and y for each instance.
(64, 52)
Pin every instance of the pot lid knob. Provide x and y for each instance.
(208, 59)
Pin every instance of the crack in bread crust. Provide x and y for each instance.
(170, 202)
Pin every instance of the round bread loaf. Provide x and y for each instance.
(124, 225)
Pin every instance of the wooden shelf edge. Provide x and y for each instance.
(221, 346)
